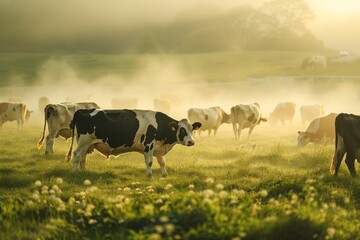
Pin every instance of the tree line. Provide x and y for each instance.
(275, 25)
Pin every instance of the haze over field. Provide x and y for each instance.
(87, 50)
(87, 24)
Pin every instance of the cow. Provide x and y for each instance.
(210, 118)
(113, 132)
(245, 116)
(310, 112)
(347, 140)
(42, 102)
(28, 114)
(162, 105)
(12, 112)
(283, 112)
(314, 62)
(121, 103)
(319, 130)
(58, 118)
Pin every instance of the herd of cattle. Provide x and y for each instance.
(321, 62)
(154, 133)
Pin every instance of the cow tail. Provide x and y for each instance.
(72, 128)
(41, 141)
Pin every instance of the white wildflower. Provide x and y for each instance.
(219, 186)
(38, 183)
(263, 193)
(209, 180)
(87, 182)
(59, 181)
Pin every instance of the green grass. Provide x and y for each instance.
(218, 189)
(205, 67)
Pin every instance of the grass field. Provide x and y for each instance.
(262, 188)
(33, 68)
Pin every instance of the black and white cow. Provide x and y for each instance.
(347, 140)
(113, 132)
(58, 118)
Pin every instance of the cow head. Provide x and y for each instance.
(184, 130)
(303, 139)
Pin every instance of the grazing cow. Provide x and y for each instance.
(58, 118)
(42, 102)
(347, 140)
(245, 116)
(28, 114)
(210, 118)
(12, 112)
(283, 112)
(121, 103)
(310, 112)
(319, 130)
(314, 62)
(113, 132)
(162, 105)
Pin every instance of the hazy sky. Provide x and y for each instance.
(335, 23)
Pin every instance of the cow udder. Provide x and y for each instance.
(65, 133)
(101, 147)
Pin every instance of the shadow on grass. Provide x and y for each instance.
(292, 226)
(16, 181)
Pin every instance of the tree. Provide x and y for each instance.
(288, 15)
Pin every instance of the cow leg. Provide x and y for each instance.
(235, 130)
(215, 131)
(83, 162)
(350, 161)
(50, 139)
(161, 161)
(148, 161)
(79, 155)
(338, 156)
(209, 132)
(250, 131)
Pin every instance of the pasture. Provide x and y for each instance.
(262, 188)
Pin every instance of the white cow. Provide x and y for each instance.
(12, 112)
(314, 62)
(162, 105)
(245, 116)
(283, 112)
(122, 103)
(210, 118)
(58, 118)
(319, 130)
(310, 112)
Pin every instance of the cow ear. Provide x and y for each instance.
(174, 126)
(196, 125)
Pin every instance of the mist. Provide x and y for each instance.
(160, 27)
(114, 26)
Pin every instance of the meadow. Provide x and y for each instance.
(261, 188)
(33, 68)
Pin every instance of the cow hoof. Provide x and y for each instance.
(164, 175)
